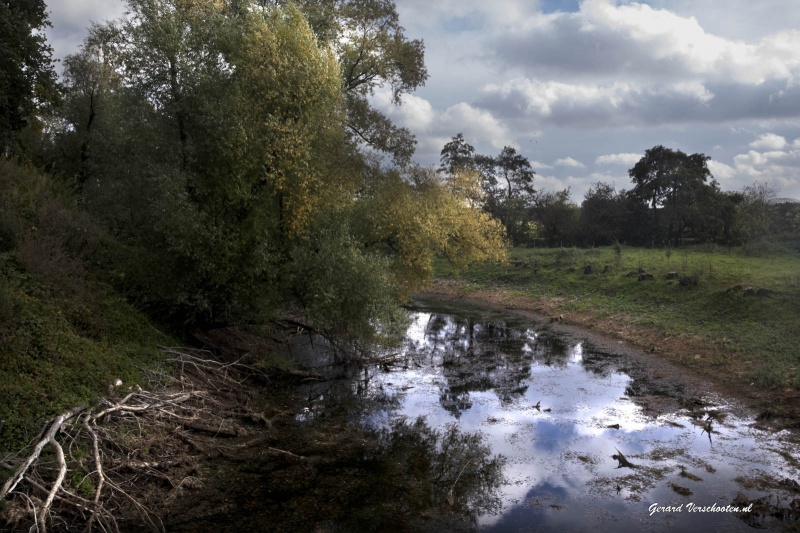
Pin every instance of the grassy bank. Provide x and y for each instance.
(731, 312)
(65, 335)
(57, 352)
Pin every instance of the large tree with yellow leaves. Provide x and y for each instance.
(223, 159)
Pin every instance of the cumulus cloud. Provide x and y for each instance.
(569, 162)
(768, 141)
(777, 167)
(616, 104)
(636, 40)
(626, 159)
(415, 113)
(475, 123)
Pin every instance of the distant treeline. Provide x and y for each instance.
(674, 200)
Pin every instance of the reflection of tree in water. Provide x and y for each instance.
(600, 363)
(481, 355)
(437, 473)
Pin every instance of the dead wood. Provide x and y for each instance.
(622, 460)
(112, 449)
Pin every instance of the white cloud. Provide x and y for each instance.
(634, 40)
(627, 159)
(721, 171)
(585, 104)
(415, 113)
(475, 123)
(768, 141)
(568, 162)
(780, 168)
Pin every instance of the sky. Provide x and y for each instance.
(583, 87)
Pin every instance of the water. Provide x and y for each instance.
(551, 404)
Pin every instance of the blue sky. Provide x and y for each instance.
(583, 88)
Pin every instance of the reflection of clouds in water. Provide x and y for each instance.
(499, 370)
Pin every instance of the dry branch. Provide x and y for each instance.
(177, 423)
(11, 484)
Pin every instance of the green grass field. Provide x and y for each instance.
(715, 298)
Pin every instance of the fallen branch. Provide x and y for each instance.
(112, 482)
(12, 482)
(284, 452)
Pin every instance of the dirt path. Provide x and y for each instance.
(685, 358)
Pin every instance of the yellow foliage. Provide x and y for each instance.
(420, 216)
(288, 96)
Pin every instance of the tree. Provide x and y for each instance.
(603, 214)
(753, 212)
(557, 217)
(669, 181)
(27, 79)
(457, 156)
(508, 182)
(205, 158)
(373, 52)
(516, 171)
(90, 80)
(412, 216)
(220, 158)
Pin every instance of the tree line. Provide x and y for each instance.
(673, 200)
(228, 153)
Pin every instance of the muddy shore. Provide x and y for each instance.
(683, 358)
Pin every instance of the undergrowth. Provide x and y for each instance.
(65, 335)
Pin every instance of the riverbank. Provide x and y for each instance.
(718, 314)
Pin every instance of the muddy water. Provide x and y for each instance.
(559, 410)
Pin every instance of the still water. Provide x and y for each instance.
(581, 450)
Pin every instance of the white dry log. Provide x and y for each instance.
(11, 484)
(62, 472)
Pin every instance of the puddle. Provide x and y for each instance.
(568, 419)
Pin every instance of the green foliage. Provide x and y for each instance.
(674, 185)
(346, 289)
(506, 182)
(63, 334)
(557, 216)
(373, 51)
(205, 153)
(27, 79)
